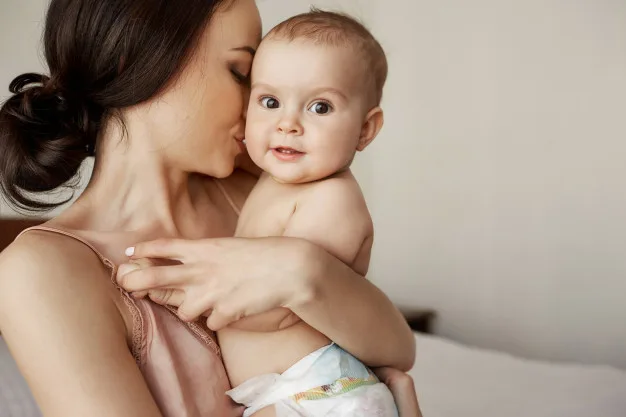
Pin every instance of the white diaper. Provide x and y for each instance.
(328, 382)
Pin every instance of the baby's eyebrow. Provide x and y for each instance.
(314, 92)
(332, 91)
(261, 85)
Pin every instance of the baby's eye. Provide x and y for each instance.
(320, 107)
(269, 102)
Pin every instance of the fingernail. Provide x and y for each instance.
(126, 268)
(130, 251)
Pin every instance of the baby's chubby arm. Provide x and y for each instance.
(333, 216)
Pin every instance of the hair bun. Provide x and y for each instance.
(49, 134)
(20, 82)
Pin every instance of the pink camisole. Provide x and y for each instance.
(180, 361)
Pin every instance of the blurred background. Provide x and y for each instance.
(497, 185)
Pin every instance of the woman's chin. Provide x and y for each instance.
(221, 166)
(224, 170)
(222, 173)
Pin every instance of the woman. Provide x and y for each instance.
(157, 91)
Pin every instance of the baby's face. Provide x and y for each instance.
(307, 107)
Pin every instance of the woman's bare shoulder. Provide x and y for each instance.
(40, 265)
(51, 251)
(60, 319)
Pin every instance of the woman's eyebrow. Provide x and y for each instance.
(248, 49)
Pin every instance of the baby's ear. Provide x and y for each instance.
(373, 123)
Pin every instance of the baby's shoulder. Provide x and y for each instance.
(337, 200)
(342, 189)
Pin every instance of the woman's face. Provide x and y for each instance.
(203, 111)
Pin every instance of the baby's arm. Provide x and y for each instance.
(365, 322)
(333, 215)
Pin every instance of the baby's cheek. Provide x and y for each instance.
(339, 152)
(256, 152)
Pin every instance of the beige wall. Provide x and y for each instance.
(21, 24)
(20, 32)
(497, 185)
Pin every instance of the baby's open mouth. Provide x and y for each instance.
(287, 154)
(287, 151)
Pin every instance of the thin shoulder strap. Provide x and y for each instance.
(138, 322)
(137, 341)
(227, 196)
(103, 258)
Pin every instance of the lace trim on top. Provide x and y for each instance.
(138, 330)
(201, 334)
(138, 324)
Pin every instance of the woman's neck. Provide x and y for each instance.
(134, 189)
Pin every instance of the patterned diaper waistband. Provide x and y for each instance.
(339, 387)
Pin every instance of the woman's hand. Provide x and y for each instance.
(403, 389)
(232, 278)
(227, 279)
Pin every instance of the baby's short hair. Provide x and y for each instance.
(338, 29)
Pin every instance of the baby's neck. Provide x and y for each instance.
(343, 173)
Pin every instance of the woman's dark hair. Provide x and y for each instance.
(102, 55)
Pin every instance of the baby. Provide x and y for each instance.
(317, 82)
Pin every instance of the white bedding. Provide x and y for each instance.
(453, 381)
(15, 398)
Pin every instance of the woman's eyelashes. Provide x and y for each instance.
(319, 107)
(239, 77)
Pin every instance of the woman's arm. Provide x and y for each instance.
(403, 390)
(236, 278)
(61, 323)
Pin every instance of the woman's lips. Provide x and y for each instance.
(286, 154)
(242, 143)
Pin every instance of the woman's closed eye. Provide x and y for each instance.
(239, 77)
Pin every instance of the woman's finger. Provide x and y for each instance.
(160, 248)
(167, 296)
(139, 294)
(194, 306)
(222, 315)
(133, 278)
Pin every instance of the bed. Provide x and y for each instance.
(452, 380)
